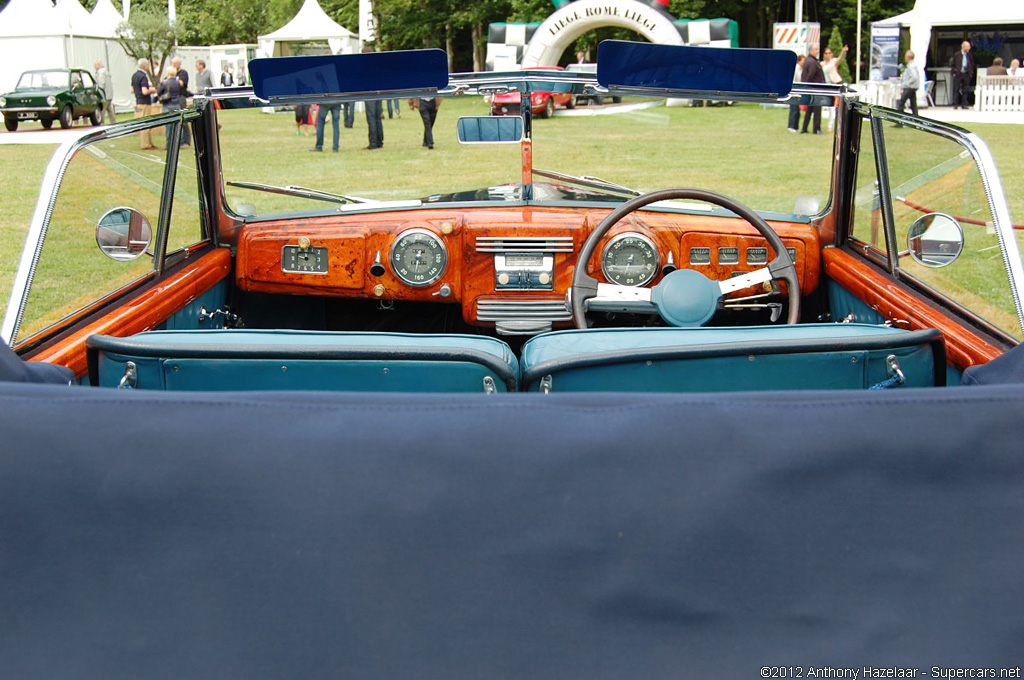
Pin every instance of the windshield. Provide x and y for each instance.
(38, 79)
(633, 145)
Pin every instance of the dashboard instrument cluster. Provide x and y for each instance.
(508, 268)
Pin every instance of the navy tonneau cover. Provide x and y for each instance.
(314, 535)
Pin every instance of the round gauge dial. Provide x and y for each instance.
(630, 259)
(418, 257)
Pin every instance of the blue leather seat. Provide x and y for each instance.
(805, 356)
(302, 360)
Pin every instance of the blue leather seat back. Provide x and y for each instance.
(806, 356)
(304, 360)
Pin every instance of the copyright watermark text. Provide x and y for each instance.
(888, 672)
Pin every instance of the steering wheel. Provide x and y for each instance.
(684, 297)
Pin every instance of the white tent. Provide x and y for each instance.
(106, 17)
(310, 24)
(36, 34)
(929, 13)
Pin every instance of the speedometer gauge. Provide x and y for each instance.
(418, 257)
(630, 259)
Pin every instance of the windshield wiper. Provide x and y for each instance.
(301, 192)
(586, 182)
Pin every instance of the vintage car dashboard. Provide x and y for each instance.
(508, 268)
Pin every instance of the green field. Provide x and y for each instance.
(683, 159)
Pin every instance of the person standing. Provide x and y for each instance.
(812, 73)
(910, 82)
(831, 65)
(143, 91)
(334, 109)
(428, 112)
(225, 78)
(106, 83)
(962, 70)
(374, 117)
(169, 93)
(203, 78)
(375, 123)
(794, 107)
(182, 76)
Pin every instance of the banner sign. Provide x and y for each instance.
(885, 51)
(367, 25)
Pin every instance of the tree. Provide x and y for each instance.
(835, 43)
(222, 22)
(148, 34)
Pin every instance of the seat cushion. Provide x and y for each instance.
(276, 359)
(806, 356)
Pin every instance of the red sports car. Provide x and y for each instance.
(543, 104)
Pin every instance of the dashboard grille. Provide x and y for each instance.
(536, 309)
(524, 244)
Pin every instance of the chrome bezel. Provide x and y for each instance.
(643, 239)
(431, 236)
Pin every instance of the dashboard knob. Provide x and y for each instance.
(377, 268)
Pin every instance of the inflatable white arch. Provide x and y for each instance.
(576, 18)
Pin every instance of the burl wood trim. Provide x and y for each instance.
(144, 312)
(963, 347)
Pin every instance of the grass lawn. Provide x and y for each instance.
(688, 134)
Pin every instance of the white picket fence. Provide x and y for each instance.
(999, 93)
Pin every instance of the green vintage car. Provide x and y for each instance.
(62, 94)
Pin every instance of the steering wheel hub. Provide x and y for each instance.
(686, 298)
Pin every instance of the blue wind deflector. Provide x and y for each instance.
(735, 70)
(344, 74)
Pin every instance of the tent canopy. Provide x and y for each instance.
(958, 13)
(309, 24)
(106, 18)
(929, 13)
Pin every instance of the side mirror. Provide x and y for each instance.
(490, 130)
(123, 234)
(935, 240)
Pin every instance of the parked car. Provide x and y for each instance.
(542, 104)
(62, 94)
(667, 393)
(584, 99)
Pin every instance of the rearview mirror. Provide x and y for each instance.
(123, 234)
(935, 240)
(490, 129)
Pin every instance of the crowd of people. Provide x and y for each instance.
(963, 79)
(170, 92)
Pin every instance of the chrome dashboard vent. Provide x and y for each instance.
(524, 244)
(522, 317)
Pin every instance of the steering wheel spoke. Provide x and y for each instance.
(762, 275)
(614, 298)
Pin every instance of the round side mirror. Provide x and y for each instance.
(935, 240)
(123, 234)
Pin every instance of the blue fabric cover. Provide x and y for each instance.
(310, 535)
(1009, 368)
(744, 366)
(15, 369)
(290, 360)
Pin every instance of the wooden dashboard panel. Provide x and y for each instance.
(355, 243)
